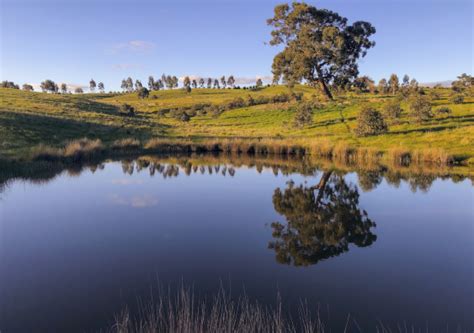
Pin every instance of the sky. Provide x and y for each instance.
(74, 41)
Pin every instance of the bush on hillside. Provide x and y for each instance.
(370, 122)
(443, 110)
(457, 99)
(420, 107)
(127, 110)
(304, 114)
(392, 109)
(143, 92)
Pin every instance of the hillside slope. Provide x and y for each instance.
(29, 118)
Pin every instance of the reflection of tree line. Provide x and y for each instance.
(173, 170)
(170, 166)
(321, 221)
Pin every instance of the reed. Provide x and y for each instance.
(342, 152)
(183, 312)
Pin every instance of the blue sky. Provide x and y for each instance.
(74, 41)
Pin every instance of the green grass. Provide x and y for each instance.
(28, 119)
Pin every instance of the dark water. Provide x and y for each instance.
(384, 247)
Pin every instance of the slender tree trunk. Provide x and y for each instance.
(326, 89)
(323, 84)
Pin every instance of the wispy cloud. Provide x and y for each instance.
(133, 46)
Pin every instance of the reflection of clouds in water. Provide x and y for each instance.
(138, 201)
(126, 181)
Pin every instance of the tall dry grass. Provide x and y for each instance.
(340, 152)
(183, 312)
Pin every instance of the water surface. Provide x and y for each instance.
(383, 246)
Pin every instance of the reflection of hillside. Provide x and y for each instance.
(369, 175)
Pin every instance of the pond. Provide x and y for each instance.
(391, 247)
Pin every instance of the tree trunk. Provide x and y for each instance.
(323, 84)
(326, 89)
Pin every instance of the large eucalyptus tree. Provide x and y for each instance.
(320, 47)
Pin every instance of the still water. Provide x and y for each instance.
(394, 247)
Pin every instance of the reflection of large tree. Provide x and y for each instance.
(322, 221)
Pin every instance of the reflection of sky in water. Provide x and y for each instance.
(76, 249)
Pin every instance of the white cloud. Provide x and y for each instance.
(133, 46)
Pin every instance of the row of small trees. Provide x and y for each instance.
(384, 86)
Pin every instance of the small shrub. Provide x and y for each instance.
(457, 99)
(250, 101)
(370, 122)
(392, 109)
(420, 107)
(304, 114)
(297, 96)
(262, 100)
(280, 98)
(162, 112)
(435, 95)
(185, 117)
(235, 103)
(127, 109)
(443, 110)
(143, 92)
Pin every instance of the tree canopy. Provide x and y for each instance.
(320, 47)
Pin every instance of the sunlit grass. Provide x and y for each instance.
(28, 119)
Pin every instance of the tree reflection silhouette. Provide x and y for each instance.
(322, 221)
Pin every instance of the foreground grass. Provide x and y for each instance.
(185, 312)
(28, 119)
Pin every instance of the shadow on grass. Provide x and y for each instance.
(34, 128)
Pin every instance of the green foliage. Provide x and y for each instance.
(304, 114)
(27, 119)
(392, 109)
(320, 47)
(9, 84)
(393, 84)
(49, 86)
(370, 122)
(444, 110)
(463, 83)
(27, 87)
(420, 107)
(92, 85)
(127, 110)
(143, 92)
(457, 99)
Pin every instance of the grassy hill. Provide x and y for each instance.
(28, 119)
